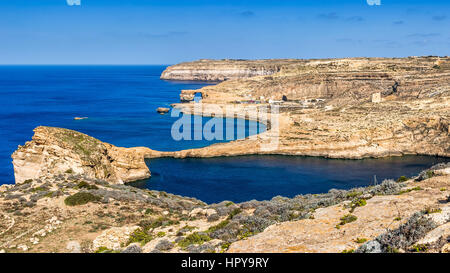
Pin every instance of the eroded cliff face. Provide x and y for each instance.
(330, 109)
(220, 70)
(338, 81)
(54, 151)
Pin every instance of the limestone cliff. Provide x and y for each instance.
(328, 108)
(220, 70)
(54, 151)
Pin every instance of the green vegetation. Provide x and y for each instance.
(347, 219)
(360, 240)
(357, 203)
(430, 174)
(69, 171)
(443, 189)
(27, 181)
(85, 185)
(348, 251)
(234, 213)
(430, 210)
(419, 248)
(390, 249)
(410, 190)
(103, 249)
(140, 236)
(229, 204)
(81, 198)
(225, 246)
(161, 234)
(402, 179)
(220, 225)
(353, 194)
(194, 238)
(149, 211)
(38, 189)
(398, 218)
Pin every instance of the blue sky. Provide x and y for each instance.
(169, 31)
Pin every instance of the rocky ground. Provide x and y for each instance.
(70, 213)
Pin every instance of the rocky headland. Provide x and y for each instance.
(70, 186)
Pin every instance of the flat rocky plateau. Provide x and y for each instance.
(70, 195)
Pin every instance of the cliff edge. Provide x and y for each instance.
(54, 151)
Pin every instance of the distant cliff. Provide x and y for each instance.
(220, 70)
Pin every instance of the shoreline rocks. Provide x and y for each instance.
(162, 110)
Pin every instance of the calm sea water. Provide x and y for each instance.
(120, 102)
(245, 178)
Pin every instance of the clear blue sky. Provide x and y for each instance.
(170, 31)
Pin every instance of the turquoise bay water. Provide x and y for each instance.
(120, 102)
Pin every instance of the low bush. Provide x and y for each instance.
(81, 198)
(140, 236)
(86, 185)
(347, 219)
(194, 238)
(402, 179)
(221, 225)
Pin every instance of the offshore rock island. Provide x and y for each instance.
(70, 186)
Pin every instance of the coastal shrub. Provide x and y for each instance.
(357, 203)
(430, 210)
(229, 204)
(213, 217)
(425, 175)
(140, 236)
(149, 211)
(410, 190)
(419, 248)
(360, 240)
(221, 225)
(347, 219)
(103, 249)
(194, 238)
(402, 179)
(81, 198)
(159, 222)
(86, 185)
(234, 213)
(417, 226)
(229, 232)
(164, 245)
(353, 194)
(255, 224)
(161, 234)
(387, 187)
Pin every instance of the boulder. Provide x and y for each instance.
(162, 110)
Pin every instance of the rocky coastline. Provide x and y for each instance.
(70, 185)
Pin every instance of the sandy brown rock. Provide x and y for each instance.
(55, 151)
(220, 70)
(329, 110)
(381, 213)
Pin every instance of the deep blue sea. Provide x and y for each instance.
(120, 103)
